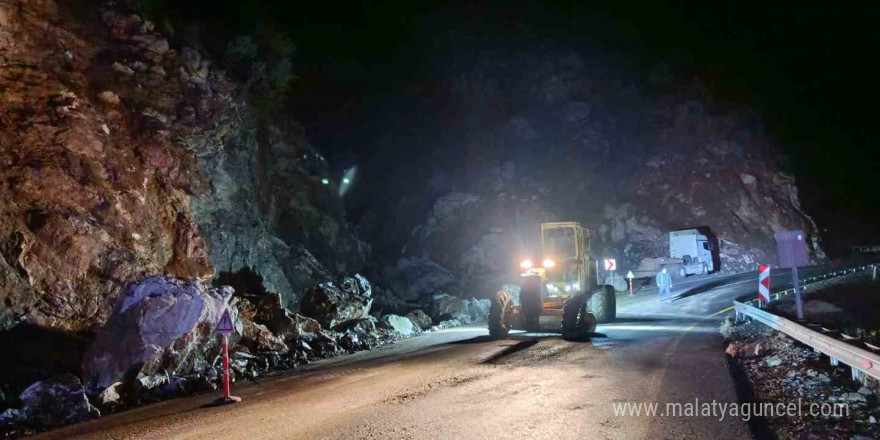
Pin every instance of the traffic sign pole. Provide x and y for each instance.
(797, 293)
(227, 394)
(225, 327)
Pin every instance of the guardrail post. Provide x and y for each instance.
(874, 272)
(834, 362)
(859, 375)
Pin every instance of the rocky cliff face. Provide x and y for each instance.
(533, 135)
(125, 156)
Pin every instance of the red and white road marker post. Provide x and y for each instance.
(763, 285)
(225, 327)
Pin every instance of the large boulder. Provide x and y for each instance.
(288, 326)
(331, 305)
(291, 326)
(269, 307)
(420, 318)
(400, 325)
(258, 338)
(479, 309)
(159, 324)
(58, 401)
(358, 334)
(448, 307)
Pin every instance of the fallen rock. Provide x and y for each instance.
(159, 324)
(479, 309)
(11, 416)
(773, 361)
(359, 334)
(732, 349)
(449, 307)
(853, 397)
(111, 395)
(450, 323)
(323, 344)
(258, 338)
(175, 387)
(269, 308)
(331, 305)
(58, 401)
(148, 383)
(420, 318)
(109, 97)
(291, 326)
(364, 327)
(401, 325)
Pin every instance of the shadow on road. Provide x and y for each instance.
(588, 337)
(636, 319)
(698, 290)
(515, 348)
(474, 340)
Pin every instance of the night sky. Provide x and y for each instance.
(808, 69)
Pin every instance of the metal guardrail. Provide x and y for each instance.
(813, 279)
(866, 249)
(862, 362)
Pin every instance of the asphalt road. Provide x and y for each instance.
(459, 384)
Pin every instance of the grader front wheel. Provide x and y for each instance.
(603, 304)
(577, 321)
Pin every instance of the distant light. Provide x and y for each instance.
(526, 264)
(548, 263)
(348, 178)
(325, 181)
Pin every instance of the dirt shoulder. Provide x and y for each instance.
(821, 401)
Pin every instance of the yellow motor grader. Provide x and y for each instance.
(560, 294)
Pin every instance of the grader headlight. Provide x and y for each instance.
(526, 264)
(548, 263)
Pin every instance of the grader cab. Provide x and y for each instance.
(560, 294)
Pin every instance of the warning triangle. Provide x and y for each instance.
(224, 325)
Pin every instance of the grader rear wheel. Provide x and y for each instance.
(499, 315)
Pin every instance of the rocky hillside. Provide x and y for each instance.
(137, 174)
(125, 156)
(531, 134)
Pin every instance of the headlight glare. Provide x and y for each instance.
(548, 263)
